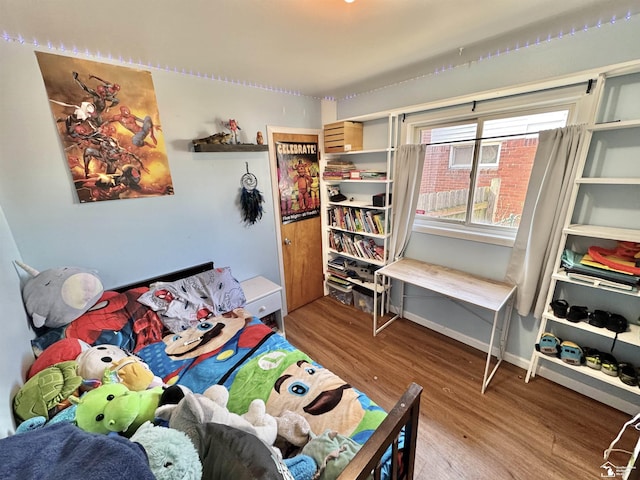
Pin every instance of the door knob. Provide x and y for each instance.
(287, 241)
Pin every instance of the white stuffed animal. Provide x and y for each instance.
(110, 364)
(266, 426)
(195, 409)
(93, 361)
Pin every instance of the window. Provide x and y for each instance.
(461, 152)
(480, 155)
(489, 190)
(477, 165)
(462, 155)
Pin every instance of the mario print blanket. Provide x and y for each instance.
(238, 351)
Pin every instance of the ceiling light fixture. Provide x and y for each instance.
(349, 1)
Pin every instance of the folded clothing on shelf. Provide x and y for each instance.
(573, 264)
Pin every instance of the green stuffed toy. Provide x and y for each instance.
(112, 407)
(44, 394)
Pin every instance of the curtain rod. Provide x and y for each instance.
(480, 138)
(474, 100)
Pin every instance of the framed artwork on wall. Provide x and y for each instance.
(298, 180)
(109, 126)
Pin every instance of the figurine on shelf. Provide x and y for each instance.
(216, 138)
(259, 138)
(232, 126)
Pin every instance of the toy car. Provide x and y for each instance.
(549, 344)
(571, 353)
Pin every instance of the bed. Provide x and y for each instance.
(207, 348)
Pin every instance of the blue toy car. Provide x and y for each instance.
(549, 344)
(571, 353)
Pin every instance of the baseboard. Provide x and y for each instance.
(568, 382)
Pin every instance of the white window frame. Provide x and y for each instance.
(574, 98)
(471, 144)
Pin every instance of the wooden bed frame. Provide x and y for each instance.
(404, 415)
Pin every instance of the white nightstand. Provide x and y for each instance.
(264, 298)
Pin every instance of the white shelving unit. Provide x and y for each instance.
(380, 136)
(605, 208)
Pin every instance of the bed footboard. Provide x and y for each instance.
(404, 414)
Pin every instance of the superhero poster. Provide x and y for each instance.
(108, 121)
(298, 180)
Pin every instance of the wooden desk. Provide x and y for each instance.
(456, 285)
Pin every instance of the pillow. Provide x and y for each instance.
(228, 452)
(116, 319)
(61, 351)
(57, 296)
(184, 303)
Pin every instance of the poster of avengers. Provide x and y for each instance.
(298, 180)
(108, 122)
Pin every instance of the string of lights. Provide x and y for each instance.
(518, 46)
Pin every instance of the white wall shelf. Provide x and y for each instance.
(612, 148)
(378, 154)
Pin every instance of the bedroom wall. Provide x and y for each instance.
(609, 44)
(15, 357)
(127, 240)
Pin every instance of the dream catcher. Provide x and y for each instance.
(251, 199)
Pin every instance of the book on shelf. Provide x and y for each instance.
(338, 280)
(378, 218)
(337, 263)
(339, 286)
(356, 245)
(356, 220)
(338, 170)
(337, 273)
(335, 176)
(372, 175)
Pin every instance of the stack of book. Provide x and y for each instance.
(338, 273)
(357, 219)
(356, 246)
(338, 170)
(368, 175)
(349, 269)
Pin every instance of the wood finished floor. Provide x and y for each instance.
(538, 430)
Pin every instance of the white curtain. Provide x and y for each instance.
(548, 197)
(406, 188)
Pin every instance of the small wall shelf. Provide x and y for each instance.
(224, 147)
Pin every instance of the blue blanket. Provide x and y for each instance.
(64, 451)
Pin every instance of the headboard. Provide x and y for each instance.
(169, 277)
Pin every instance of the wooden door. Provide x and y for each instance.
(301, 245)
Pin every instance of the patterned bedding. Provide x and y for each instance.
(256, 362)
(178, 330)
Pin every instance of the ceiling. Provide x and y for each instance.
(322, 48)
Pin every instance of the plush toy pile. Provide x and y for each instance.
(89, 381)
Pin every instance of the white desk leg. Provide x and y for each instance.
(375, 302)
(401, 311)
(388, 322)
(485, 380)
(503, 341)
